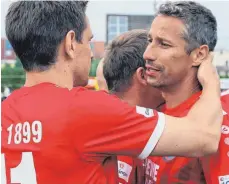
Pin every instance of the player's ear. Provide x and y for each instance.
(141, 76)
(69, 44)
(199, 55)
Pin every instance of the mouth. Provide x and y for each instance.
(151, 70)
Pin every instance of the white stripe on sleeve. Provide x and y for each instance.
(154, 138)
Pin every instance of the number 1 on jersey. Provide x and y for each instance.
(24, 173)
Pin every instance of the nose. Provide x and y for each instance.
(149, 53)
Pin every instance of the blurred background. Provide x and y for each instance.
(108, 19)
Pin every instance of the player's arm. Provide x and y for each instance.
(113, 127)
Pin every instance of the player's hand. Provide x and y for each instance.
(207, 74)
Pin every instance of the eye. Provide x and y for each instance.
(165, 45)
(150, 40)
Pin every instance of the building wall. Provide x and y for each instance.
(97, 12)
(98, 49)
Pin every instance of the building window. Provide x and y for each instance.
(116, 24)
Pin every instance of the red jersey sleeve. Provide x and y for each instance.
(216, 166)
(105, 125)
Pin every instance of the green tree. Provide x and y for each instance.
(94, 65)
(13, 75)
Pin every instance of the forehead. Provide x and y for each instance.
(166, 26)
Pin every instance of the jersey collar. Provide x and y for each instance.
(187, 104)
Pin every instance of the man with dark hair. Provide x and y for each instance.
(123, 68)
(181, 37)
(55, 133)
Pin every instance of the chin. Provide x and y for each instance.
(151, 81)
(154, 82)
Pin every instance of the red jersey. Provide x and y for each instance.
(130, 170)
(212, 169)
(52, 135)
(126, 170)
(216, 167)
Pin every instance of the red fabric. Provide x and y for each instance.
(126, 170)
(79, 135)
(171, 170)
(216, 167)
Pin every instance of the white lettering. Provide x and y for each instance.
(24, 173)
(124, 170)
(224, 179)
(25, 133)
(151, 171)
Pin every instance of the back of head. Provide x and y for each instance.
(124, 55)
(200, 23)
(35, 29)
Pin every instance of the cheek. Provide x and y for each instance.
(86, 56)
(176, 60)
(168, 62)
(88, 53)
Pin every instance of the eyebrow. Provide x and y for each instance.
(159, 38)
(164, 39)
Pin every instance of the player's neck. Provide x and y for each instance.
(126, 95)
(176, 94)
(135, 96)
(61, 79)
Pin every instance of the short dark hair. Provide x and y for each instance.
(36, 28)
(123, 56)
(200, 23)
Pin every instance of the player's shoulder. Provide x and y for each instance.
(225, 98)
(16, 93)
(225, 101)
(97, 102)
(93, 96)
(225, 93)
(225, 106)
(82, 91)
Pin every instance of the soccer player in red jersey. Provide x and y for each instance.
(123, 68)
(181, 37)
(55, 133)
